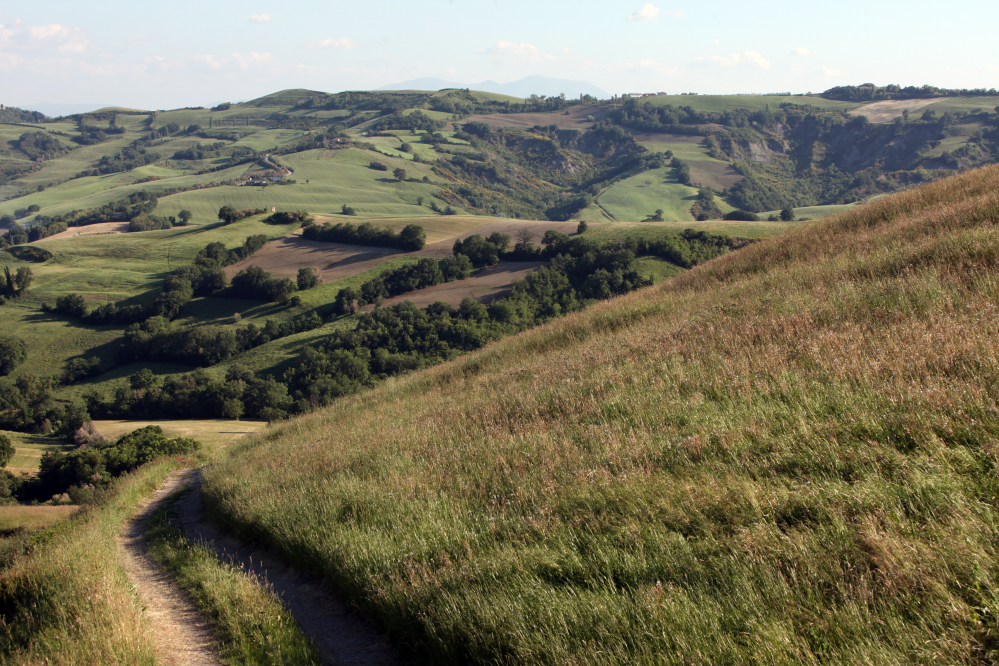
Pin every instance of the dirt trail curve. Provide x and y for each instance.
(182, 636)
(339, 632)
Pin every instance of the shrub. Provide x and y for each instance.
(378, 166)
(743, 215)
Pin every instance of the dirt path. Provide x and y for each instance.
(340, 633)
(182, 636)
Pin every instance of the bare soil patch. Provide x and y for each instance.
(889, 110)
(334, 261)
(90, 230)
(575, 119)
(491, 283)
(718, 175)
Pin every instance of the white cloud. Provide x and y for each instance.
(260, 18)
(138, 38)
(649, 12)
(646, 66)
(252, 59)
(716, 42)
(802, 51)
(747, 58)
(829, 71)
(69, 38)
(338, 43)
(528, 52)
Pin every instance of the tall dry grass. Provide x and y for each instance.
(70, 601)
(786, 455)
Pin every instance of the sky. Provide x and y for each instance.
(185, 53)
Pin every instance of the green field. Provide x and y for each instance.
(29, 449)
(652, 230)
(812, 212)
(638, 197)
(970, 104)
(720, 103)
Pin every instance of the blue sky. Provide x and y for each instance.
(165, 55)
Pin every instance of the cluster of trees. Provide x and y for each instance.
(228, 214)
(26, 404)
(196, 395)
(125, 159)
(86, 471)
(16, 283)
(165, 131)
(201, 152)
(424, 273)
(13, 351)
(869, 91)
(411, 238)
(12, 114)
(254, 283)
(156, 339)
(39, 144)
(415, 120)
(91, 134)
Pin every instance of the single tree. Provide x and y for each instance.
(524, 238)
(787, 215)
(13, 351)
(399, 174)
(6, 449)
(581, 227)
(142, 380)
(184, 216)
(227, 214)
(22, 279)
(308, 278)
(419, 201)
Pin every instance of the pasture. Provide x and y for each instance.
(28, 450)
(762, 461)
(575, 119)
(33, 517)
(214, 434)
(722, 103)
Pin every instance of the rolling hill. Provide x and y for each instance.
(785, 455)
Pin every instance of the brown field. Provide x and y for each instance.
(483, 287)
(33, 517)
(336, 261)
(885, 112)
(90, 229)
(718, 175)
(210, 432)
(575, 119)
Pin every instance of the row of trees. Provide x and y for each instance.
(411, 238)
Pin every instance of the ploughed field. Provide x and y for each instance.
(784, 455)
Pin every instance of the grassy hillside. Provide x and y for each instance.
(786, 455)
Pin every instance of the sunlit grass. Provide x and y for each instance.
(785, 455)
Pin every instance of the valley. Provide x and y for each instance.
(502, 380)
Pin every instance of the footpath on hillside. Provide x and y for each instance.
(184, 637)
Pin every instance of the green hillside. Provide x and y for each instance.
(785, 455)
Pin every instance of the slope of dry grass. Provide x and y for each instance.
(786, 455)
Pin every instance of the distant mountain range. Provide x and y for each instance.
(525, 87)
